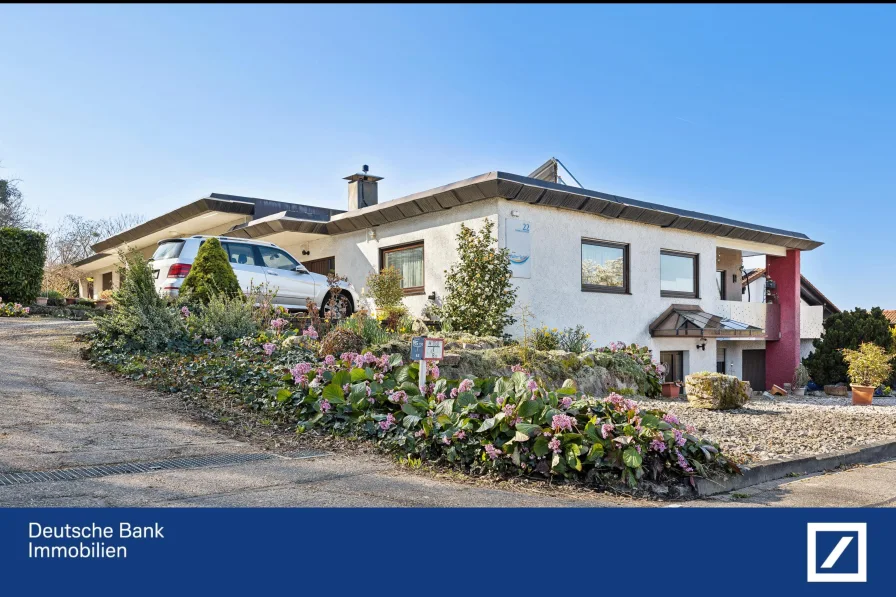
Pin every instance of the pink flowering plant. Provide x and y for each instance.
(508, 425)
(13, 310)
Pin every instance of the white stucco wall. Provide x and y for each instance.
(806, 347)
(357, 257)
(811, 321)
(554, 293)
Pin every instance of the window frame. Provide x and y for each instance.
(626, 267)
(415, 290)
(695, 258)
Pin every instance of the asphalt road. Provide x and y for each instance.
(56, 413)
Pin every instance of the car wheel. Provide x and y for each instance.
(342, 306)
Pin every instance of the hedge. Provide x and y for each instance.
(22, 256)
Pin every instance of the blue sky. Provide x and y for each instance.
(779, 115)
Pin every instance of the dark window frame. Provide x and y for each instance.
(415, 290)
(626, 267)
(695, 258)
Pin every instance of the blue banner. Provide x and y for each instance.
(619, 551)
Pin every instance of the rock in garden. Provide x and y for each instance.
(450, 360)
(715, 391)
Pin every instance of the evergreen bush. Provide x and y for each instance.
(211, 274)
(22, 256)
(848, 329)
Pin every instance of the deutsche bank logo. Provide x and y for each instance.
(837, 552)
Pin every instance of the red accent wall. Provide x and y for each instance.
(783, 356)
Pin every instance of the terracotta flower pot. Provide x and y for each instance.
(41, 300)
(670, 389)
(862, 395)
(70, 301)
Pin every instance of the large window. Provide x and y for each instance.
(678, 274)
(604, 266)
(407, 259)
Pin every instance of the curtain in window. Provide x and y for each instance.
(410, 263)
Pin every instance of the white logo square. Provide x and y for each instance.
(829, 560)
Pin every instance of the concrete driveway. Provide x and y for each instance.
(73, 436)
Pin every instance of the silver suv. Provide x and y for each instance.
(254, 263)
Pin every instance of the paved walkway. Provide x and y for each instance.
(58, 413)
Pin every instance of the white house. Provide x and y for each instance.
(625, 269)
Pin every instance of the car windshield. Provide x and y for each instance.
(169, 249)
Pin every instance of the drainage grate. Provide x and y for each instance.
(128, 468)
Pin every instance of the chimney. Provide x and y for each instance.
(362, 189)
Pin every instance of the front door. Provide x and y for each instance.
(246, 264)
(754, 368)
(673, 361)
(293, 288)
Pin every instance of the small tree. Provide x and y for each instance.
(385, 288)
(479, 291)
(848, 329)
(868, 366)
(211, 273)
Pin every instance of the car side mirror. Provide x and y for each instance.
(301, 269)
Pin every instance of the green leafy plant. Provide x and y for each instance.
(575, 339)
(13, 309)
(385, 289)
(847, 329)
(225, 316)
(142, 320)
(479, 290)
(211, 273)
(867, 366)
(545, 339)
(22, 256)
(366, 327)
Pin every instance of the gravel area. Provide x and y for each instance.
(789, 426)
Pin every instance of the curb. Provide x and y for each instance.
(771, 470)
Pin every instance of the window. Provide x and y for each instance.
(721, 353)
(107, 281)
(240, 254)
(169, 249)
(678, 274)
(720, 281)
(604, 266)
(407, 259)
(277, 258)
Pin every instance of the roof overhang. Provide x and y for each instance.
(539, 192)
(277, 223)
(189, 219)
(690, 321)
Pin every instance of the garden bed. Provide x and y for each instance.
(766, 429)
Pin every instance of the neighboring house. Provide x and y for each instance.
(815, 307)
(891, 317)
(625, 269)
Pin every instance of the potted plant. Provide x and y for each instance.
(42, 299)
(71, 300)
(800, 379)
(671, 389)
(867, 368)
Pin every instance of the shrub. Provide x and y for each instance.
(341, 340)
(13, 309)
(211, 273)
(22, 256)
(62, 278)
(142, 319)
(545, 339)
(848, 329)
(575, 340)
(385, 288)
(479, 291)
(366, 327)
(510, 425)
(867, 366)
(225, 317)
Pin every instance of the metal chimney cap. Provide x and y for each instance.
(363, 175)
